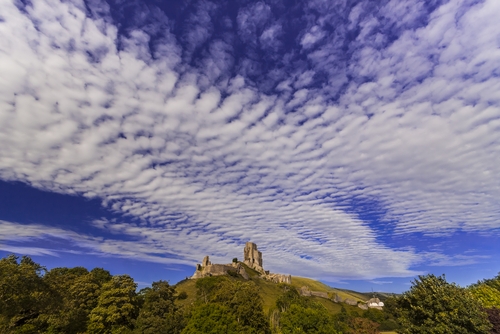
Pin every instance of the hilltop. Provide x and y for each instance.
(251, 268)
(270, 291)
(277, 292)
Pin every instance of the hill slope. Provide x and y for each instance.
(270, 291)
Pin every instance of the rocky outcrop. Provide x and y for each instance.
(209, 269)
(252, 257)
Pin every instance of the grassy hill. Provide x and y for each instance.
(270, 291)
(314, 285)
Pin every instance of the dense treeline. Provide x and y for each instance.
(75, 300)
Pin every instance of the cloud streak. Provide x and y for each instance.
(183, 137)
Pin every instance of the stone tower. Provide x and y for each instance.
(252, 257)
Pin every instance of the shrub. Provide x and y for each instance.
(433, 305)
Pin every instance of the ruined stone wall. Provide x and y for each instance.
(212, 270)
(305, 291)
(319, 294)
(209, 269)
(278, 278)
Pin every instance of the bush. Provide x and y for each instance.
(183, 295)
(433, 305)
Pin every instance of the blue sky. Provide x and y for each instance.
(356, 142)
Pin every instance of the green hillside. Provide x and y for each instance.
(314, 285)
(270, 291)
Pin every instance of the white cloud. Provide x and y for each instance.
(381, 282)
(252, 20)
(310, 38)
(270, 37)
(206, 167)
(35, 251)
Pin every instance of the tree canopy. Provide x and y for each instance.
(432, 305)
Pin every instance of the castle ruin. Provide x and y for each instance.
(252, 258)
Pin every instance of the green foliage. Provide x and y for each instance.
(78, 291)
(235, 260)
(362, 326)
(205, 286)
(159, 314)
(100, 276)
(74, 300)
(289, 297)
(384, 320)
(241, 298)
(297, 314)
(117, 307)
(487, 292)
(342, 320)
(434, 306)
(300, 319)
(487, 295)
(182, 295)
(213, 319)
(24, 295)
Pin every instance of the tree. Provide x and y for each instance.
(289, 296)
(342, 320)
(159, 314)
(213, 319)
(487, 295)
(79, 294)
(24, 295)
(100, 276)
(362, 326)
(245, 302)
(385, 321)
(434, 306)
(205, 286)
(487, 292)
(241, 298)
(311, 320)
(297, 314)
(117, 307)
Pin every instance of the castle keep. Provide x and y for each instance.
(252, 258)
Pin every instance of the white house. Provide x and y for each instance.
(375, 303)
